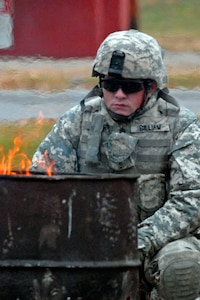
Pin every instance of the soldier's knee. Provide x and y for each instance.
(175, 271)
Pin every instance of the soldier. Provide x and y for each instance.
(134, 126)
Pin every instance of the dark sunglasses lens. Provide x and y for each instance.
(127, 86)
(110, 85)
(131, 87)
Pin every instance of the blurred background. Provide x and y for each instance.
(70, 28)
(36, 36)
(175, 23)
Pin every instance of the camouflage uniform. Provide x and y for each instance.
(162, 143)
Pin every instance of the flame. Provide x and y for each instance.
(7, 162)
(40, 118)
(49, 162)
(18, 162)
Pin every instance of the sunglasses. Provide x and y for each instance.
(128, 86)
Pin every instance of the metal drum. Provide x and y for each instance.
(68, 237)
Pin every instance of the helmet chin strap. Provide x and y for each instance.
(120, 118)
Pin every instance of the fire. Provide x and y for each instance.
(14, 155)
(50, 166)
(15, 161)
(40, 119)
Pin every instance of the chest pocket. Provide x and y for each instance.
(119, 149)
(151, 194)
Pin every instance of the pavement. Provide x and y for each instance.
(16, 105)
(22, 104)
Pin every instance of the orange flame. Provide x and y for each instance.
(6, 163)
(40, 119)
(50, 164)
(16, 161)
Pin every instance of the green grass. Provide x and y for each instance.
(29, 134)
(188, 81)
(171, 17)
(175, 23)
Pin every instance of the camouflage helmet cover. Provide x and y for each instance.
(143, 56)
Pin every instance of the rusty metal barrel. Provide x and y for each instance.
(68, 237)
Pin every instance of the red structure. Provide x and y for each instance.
(65, 28)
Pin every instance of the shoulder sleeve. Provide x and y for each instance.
(58, 149)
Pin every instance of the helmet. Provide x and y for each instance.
(131, 54)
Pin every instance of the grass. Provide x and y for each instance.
(174, 23)
(46, 78)
(19, 141)
(49, 79)
(188, 80)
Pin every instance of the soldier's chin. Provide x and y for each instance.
(123, 111)
(118, 117)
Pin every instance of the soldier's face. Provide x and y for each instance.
(123, 103)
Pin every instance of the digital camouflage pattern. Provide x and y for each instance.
(143, 56)
(178, 265)
(180, 214)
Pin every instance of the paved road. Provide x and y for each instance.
(16, 105)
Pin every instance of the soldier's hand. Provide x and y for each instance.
(144, 247)
(141, 248)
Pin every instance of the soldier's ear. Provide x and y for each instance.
(154, 86)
